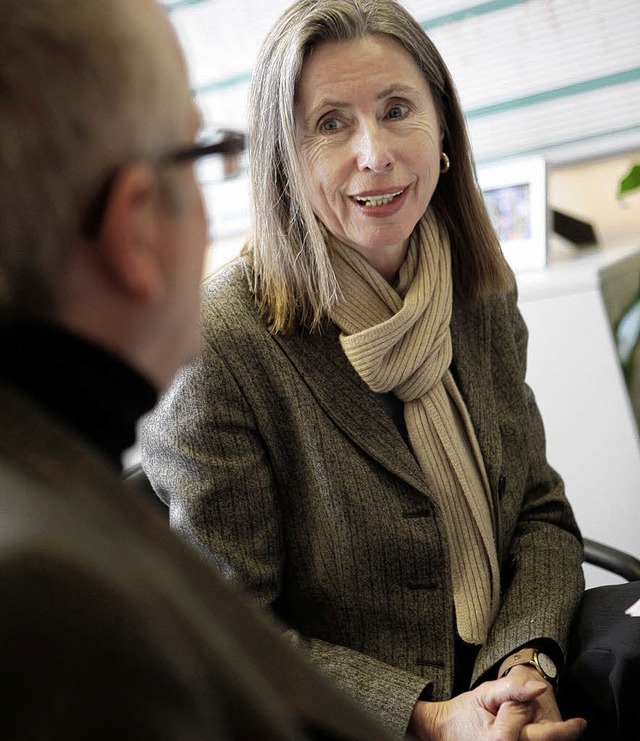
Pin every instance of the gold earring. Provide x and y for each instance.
(445, 164)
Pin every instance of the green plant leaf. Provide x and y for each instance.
(630, 181)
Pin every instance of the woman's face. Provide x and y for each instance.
(369, 143)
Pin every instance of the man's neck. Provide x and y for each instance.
(85, 387)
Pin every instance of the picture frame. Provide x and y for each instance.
(515, 192)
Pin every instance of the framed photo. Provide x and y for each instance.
(515, 192)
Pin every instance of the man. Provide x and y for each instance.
(110, 627)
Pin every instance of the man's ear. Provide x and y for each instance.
(128, 242)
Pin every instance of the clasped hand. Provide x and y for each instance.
(519, 707)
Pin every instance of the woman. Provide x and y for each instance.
(356, 445)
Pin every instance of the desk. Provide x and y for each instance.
(573, 369)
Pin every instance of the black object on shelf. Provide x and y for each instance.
(580, 232)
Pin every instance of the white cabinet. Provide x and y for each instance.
(592, 435)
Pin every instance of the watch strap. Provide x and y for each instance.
(528, 656)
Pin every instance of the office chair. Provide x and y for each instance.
(136, 478)
(611, 559)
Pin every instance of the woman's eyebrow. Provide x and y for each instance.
(395, 90)
(326, 103)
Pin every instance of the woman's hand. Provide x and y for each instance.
(516, 708)
(544, 708)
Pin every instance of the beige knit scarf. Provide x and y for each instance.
(398, 339)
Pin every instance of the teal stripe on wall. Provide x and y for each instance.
(224, 84)
(460, 15)
(564, 143)
(597, 83)
(182, 4)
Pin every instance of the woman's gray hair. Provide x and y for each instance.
(293, 279)
(84, 88)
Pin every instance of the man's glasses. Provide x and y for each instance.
(225, 142)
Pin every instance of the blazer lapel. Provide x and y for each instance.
(352, 407)
(348, 402)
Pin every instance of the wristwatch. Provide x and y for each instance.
(537, 659)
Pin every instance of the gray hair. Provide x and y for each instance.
(84, 88)
(293, 278)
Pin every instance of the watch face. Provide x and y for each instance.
(547, 666)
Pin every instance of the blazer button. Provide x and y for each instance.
(418, 513)
(417, 586)
(502, 485)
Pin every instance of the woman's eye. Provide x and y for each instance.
(397, 111)
(330, 124)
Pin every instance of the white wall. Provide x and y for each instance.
(592, 436)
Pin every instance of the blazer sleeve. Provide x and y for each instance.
(542, 577)
(205, 455)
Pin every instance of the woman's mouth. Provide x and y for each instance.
(370, 201)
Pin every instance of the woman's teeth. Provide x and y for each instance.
(378, 200)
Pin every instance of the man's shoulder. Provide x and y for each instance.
(80, 622)
(25, 507)
(44, 449)
(94, 571)
(50, 535)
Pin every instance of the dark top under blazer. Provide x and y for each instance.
(283, 467)
(112, 628)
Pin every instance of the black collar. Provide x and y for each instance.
(87, 388)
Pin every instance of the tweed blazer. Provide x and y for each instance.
(112, 628)
(280, 464)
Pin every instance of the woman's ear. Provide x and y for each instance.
(128, 243)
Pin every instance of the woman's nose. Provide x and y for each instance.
(372, 150)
